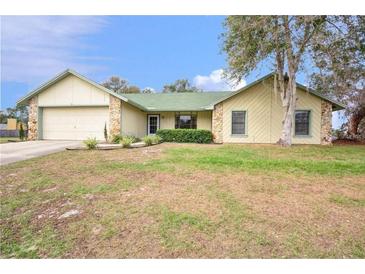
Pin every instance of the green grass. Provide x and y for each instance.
(23, 240)
(4, 140)
(193, 201)
(171, 226)
(103, 188)
(236, 212)
(220, 160)
(308, 160)
(347, 201)
(301, 160)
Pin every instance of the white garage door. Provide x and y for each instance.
(74, 123)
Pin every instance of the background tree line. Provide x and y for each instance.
(120, 85)
(19, 112)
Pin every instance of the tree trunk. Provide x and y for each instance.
(289, 109)
(289, 87)
(354, 122)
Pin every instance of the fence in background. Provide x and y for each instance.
(11, 133)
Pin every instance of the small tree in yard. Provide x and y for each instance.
(21, 132)
(283, 40)
(105, 133)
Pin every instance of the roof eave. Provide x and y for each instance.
(24, 99)
(335, 105)
(244, 88)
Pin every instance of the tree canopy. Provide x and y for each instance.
(180, 85)
(19, 112)
(120, 85)
(340, 62)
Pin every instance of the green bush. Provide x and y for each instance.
(127, 141)
(21, 132)
(152, 140)
(131, 137)
(157, 139)
(105, 133)
(91, 143)
(117, 139)
(147, 140)
(200, 136)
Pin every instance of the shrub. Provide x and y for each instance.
(21, 132)
(133, 138)
(105, 133)
(127, 141)
(151, 140)
(117, 139)
(147, 140)
(157, 139)
(201, 136)
(91, 143)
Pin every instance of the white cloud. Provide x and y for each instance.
(216, 82)
(37, 47)
(152, 89)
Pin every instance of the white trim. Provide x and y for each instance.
(148, 122)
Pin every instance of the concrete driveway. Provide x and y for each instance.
(14, 152)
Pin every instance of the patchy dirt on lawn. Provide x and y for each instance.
(186, 201)
(348, 142)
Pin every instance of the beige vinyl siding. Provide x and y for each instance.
(167, 120)
(134, 121)
(73, 91)
(256, 103)
(265, 114)
(306, 101)
(204, 120)
(74, 123)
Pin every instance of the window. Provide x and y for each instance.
(238, 122)
(302, 122)
(185, 120)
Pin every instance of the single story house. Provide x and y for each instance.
(72, 107)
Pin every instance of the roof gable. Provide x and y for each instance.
(61, 76)
(335, 105)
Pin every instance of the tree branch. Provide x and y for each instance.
(291, 60)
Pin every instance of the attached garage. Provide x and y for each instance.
(72, 107)
(74, 123)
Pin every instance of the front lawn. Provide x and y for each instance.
(186, 201)
(7, 139)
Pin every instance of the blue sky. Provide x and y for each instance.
(148, 51)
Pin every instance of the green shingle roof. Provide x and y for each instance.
(187, 101)
(194, 101)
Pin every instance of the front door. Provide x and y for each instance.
(153, 124)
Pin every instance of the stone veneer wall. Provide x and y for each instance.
(326, 123)
(33, 119)
(115, 112)
(217, 123)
